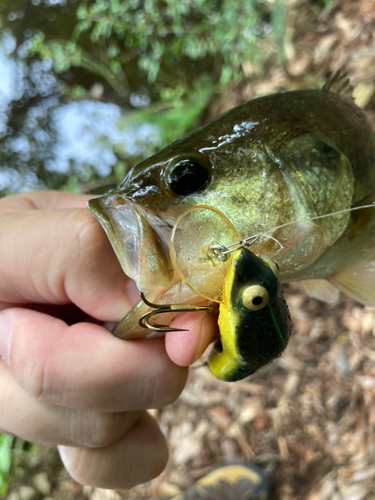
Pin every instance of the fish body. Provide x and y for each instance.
(277, 159)
(254, 319)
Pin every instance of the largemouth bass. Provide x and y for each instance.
(288, 157)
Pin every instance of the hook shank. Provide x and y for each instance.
(166, 308)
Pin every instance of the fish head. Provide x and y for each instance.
(210, 168)
(140, 215)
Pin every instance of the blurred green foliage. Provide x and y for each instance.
(5, 462)
(159, 61)
(173, 42)
(174, 120)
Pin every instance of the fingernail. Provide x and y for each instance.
(209, 330)
(5, 336)
(70, 457)
(64, 455)
(200, 348)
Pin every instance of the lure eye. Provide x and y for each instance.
(255, 297)
(187, 176)
(274, 267)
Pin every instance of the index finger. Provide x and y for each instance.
(44, 200)
(59, 256)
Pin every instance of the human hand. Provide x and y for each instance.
(64, 379)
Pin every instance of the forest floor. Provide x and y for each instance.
(308, 418)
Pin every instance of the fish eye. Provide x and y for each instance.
(255, 297)
(187, 176)
(273, 266)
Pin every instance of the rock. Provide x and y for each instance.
(354, 492)
(101, 494)
(26, 493)
(41, 483)
(363, 474)
(168, 490)
(328, 489)
(13, 496)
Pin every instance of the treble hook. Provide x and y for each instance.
(167, 308)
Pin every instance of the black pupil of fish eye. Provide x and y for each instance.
(257, 301)
(187, 177)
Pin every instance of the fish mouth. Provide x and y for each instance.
(140, 239)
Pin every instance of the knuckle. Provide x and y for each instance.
(30, 374)
(157, 391)
(100, 430)
(174, 378)
(33, 358)
(87, 231)
(42, 380)
(143, 455)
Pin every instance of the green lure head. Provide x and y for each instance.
(254, 319)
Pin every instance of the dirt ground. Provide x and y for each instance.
(308, 418)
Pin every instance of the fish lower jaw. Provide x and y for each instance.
(141, 250)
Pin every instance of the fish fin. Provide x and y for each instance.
(322, 290)
(363, 93)
(338, 83)
(358, 282)
(362, 218)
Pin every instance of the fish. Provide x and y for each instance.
(254, 319)
(276, 165)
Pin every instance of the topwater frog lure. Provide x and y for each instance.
(254, 320)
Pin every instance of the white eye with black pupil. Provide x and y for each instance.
(255, 297)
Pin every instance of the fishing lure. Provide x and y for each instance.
(254, 319)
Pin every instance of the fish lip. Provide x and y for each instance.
(102, 209)
(137, 235)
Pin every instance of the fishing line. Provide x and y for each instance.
(317, 217)
(251, 240)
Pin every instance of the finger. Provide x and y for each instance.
(85, 367)
(186, 347)
(44, 200)
(59, 257)
(138, 457)
(39, 422)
